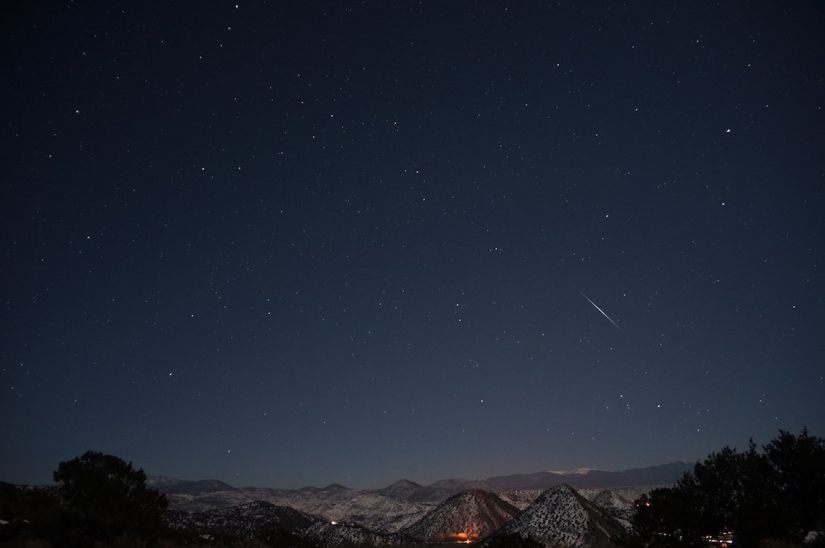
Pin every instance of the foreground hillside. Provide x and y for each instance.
(259, 519)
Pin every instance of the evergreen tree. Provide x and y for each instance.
(777, 494)
(798, 482)
(106, 498)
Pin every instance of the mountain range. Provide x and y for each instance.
(581, 508)
(559, 515)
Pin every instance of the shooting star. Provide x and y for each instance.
(599, 309)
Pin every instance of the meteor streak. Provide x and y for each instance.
(599, 309)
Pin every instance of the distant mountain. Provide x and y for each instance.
(175, 486)
(562, 517)
(576, 472)
(435, 493)
(450, 487)
(157, 482)
(596, 479)
(331, 488)
(468, 516)
(409, 490)
(652, 475)
(336, 488)
(585, 478)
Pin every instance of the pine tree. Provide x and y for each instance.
(106, 498)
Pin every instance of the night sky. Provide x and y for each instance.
(295, 243)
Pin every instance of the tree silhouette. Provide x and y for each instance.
(777, 494)
(798, 464)
(106, 498)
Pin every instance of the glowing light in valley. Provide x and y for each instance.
(458, 538)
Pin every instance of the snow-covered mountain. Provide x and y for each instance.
(521, 498)
(468, 516)
(558, 516)
(576, 472)
(561, 516)
(385, 511)
(371, 509)
(616, 505)
(406, 506)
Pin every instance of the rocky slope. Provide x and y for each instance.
(468, 516)
(560, 516)
(242, 521)
(252, 519)
(521, 498)
(616, 505)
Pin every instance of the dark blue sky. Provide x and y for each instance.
(283, 244)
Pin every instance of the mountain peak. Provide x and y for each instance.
(172, 485)
(336, 488)
(402, 484)
(467, 516)
(560, 516)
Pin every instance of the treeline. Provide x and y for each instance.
(773, 497)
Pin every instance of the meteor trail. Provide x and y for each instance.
(599, 309)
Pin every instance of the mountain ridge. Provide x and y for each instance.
(662, 474)
(592, 478)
